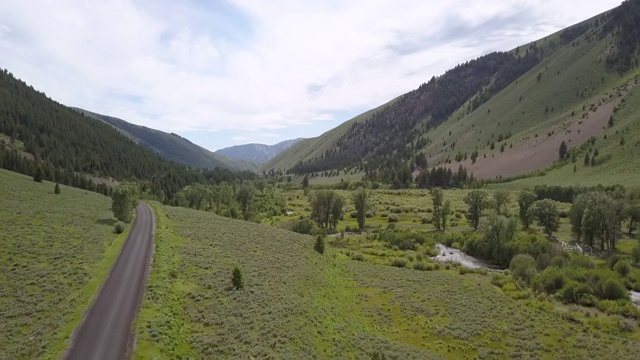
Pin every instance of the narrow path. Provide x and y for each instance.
(106, 328)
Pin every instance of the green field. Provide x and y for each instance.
(55, 253)
(299, 304)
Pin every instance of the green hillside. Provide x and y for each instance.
(56, 251)
(315, 147)
(299, 304)
(172, 146)
(38, 134)
(511, 116)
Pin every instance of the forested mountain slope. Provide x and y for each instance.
(472, 109)
(172, 146)
(38, 134)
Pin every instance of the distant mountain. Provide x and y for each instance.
(259, 153)
(172, 146)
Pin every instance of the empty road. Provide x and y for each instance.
(105, 331)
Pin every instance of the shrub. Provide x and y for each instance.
(357, 256)
(550, 280)
(118, 227)
(542, 261)
(627, 325)
(319, 245)
(304, 226)
(499, 279)
(622, 267)
(614, 290)
(419, 266)
(582, 261)
(56, 190)
(424, 220)
(399, 262)
(523, 266)
(236, 278)
(613, 260)
(576, 292)
(353, 215)
(396, 210)
(393, 218)
(558, 261)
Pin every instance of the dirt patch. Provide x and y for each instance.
(540, 152)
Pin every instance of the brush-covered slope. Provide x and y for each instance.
(298, 304)
(56, 251)
(511, 107)
(173, 147)
(259, 153)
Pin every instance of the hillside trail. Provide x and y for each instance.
(105, 332)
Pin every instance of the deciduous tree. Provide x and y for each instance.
(362, 202)
(476, 200)
(526, 198)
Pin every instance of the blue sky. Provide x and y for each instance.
(223, 73)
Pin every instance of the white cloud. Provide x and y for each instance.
(256, 65)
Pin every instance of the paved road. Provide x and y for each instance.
(105, 331)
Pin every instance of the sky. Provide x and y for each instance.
(223, 73)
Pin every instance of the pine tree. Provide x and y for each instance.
(56, 190)
(563, 150)
(236, 278)
(37, 177)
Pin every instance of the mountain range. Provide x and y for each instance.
(258, 153)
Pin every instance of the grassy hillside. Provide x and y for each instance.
(515, 128)
(618, 157)
(298, 304)
(171, 146)
(555, 101)
(56, 251)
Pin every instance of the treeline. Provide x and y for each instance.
(401, 177)
(568, 193)
(248, 200)
(72, 149)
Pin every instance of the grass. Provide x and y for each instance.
(56, 251)
(298, 304)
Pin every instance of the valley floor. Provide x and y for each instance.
(298, 304)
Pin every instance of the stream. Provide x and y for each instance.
(449, 254)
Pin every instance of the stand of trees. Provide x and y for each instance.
(326, 208)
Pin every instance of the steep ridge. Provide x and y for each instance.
(172, 147)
